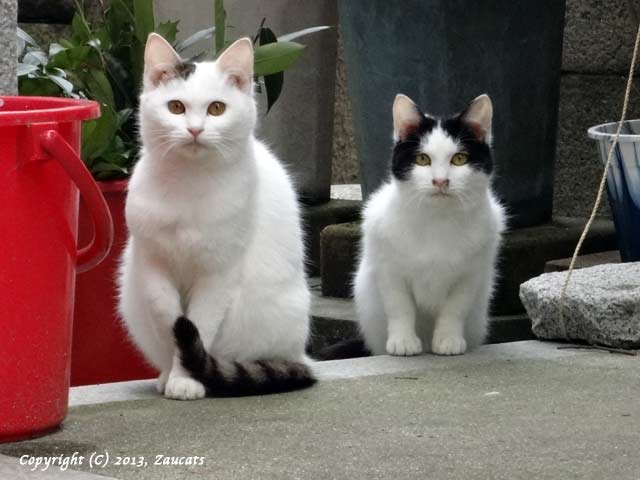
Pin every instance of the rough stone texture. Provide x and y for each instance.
(8, 54)
(598, 36)
(316, 217)
(602, 305)
(523, 256)
(583, 261)
(339, 246)
(515, 411)
(585, 101)
(45, 34)
(345, 156)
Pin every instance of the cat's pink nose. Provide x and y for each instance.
(195, 131)
(440, 182)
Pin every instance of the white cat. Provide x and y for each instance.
(431, 236)
(215, 236)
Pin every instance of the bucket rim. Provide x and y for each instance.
(595, 133)
(45, 110)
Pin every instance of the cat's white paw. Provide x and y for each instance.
(404, 345)
(184, 388)
(161, 383)
(448, 345)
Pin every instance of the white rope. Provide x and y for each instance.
(603, 182)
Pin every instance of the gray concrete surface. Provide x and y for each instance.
(8, 54)
(514, 411)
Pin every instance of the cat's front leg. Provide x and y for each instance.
(448, 333)
(400, 312)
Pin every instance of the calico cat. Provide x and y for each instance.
(212, 284)
(431, 236)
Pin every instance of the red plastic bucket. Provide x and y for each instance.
(40, 176)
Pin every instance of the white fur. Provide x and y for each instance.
(214, 228)
(426, 271)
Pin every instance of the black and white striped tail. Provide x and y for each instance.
(229, 379)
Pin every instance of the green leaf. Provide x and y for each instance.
(35, 57)
(144, 21)
(64, 84)
(41, 86)
(199, 36)
(220, 21)
(26, 68)
(168, 30)
(97, 135)
(100, 88)
(301, 33)
(275, 57)
(25, 37)
(79, 29)
(55, 48)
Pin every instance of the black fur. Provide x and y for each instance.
(185, 69)
(404, 151)
(351, 348)
(277, 375)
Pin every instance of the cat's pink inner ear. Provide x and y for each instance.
(406, 117)
(237, 62)
(478, 117)
(160, 60)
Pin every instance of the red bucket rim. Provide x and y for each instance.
(23, 110)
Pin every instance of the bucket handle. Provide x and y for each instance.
(88, 257)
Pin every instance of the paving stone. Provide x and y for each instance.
(602, 305)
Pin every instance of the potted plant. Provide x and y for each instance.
(103, 61)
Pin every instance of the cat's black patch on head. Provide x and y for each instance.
(479, 152)
(404, 151)
(185, 69)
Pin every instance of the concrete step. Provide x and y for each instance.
(517, 410)
(334, 320)
(523, 256)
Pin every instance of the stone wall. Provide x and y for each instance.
(598, 41)
(8, 60)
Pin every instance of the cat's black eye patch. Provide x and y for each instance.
(405, 151)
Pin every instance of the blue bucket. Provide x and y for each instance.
(623, 182)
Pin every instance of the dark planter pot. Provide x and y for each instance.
(443, 53)
(101, 350)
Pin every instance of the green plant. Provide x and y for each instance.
(103, 60)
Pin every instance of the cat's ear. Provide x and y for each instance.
(406, 117)
(237, 62)
(160, 60)
(478, 117)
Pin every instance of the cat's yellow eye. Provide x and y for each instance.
(459, 159)
(176, 107)
(423, 159)
(216, 108)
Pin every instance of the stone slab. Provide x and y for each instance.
(601, 305)
(8, 54)
(518, 411)
(523, 256)
(583, 261)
